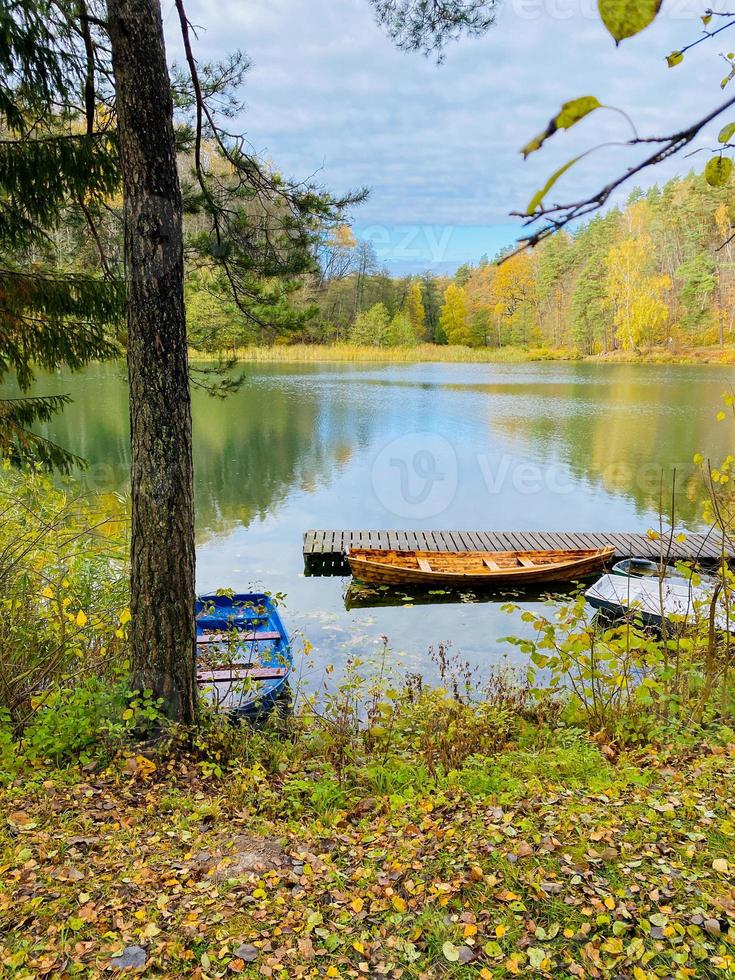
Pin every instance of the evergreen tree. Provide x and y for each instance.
(54, 160)
(463, 273)
(698, 280)
(554, 262)
(480, 327)
(432, 306)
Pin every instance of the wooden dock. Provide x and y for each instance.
(324, 551)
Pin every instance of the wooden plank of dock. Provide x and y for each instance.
(324, 551)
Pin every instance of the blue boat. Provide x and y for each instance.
(244, 654)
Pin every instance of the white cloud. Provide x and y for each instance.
(438, 145)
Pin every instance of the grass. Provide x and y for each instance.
(305, 353)
(308, 353)
(535, 861)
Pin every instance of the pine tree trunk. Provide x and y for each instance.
(162, 549)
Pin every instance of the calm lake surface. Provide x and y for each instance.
(439, 446)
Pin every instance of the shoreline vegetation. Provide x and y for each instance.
(577, 821)
(444, 353)
(548, 854)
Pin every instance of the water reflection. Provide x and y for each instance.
(542, 446)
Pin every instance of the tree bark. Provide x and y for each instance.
(163, 637)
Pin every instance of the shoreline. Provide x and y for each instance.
(436, 353)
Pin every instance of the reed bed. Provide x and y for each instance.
(386, 355)
(313, 353)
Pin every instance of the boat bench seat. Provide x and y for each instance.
(240, 636)
(424, 565)
(240, 672)
(491, 564)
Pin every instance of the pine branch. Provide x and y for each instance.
(20, 446)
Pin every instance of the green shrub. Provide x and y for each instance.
(88, 720)
(63, 591)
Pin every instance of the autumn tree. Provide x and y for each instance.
(514, 299)
(415, 310)
(371, 327)
(454, 316)
(635, 295)
(725, 310)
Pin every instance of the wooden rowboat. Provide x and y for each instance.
(244, 655)
(478, 569)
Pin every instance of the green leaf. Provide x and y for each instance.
(450, 952)
(674, 59)
(569, 114)
(536, 956)
(541, 194)
(624, 18)
(726, 133)
(718, 171)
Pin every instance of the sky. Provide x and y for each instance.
(330, 98)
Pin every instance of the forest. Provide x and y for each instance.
(658, 272)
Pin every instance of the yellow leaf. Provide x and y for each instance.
(81, 619)
(357, 904)
(569, 114)
(146, 766)
(500, 930)
(124, 617)
(609, 902)
(717, 173)
(624, 18)
(470, 930)
(399, 903)
(538, 197)
(128, 713)
(674, 59)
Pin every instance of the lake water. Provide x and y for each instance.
(559, 446)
